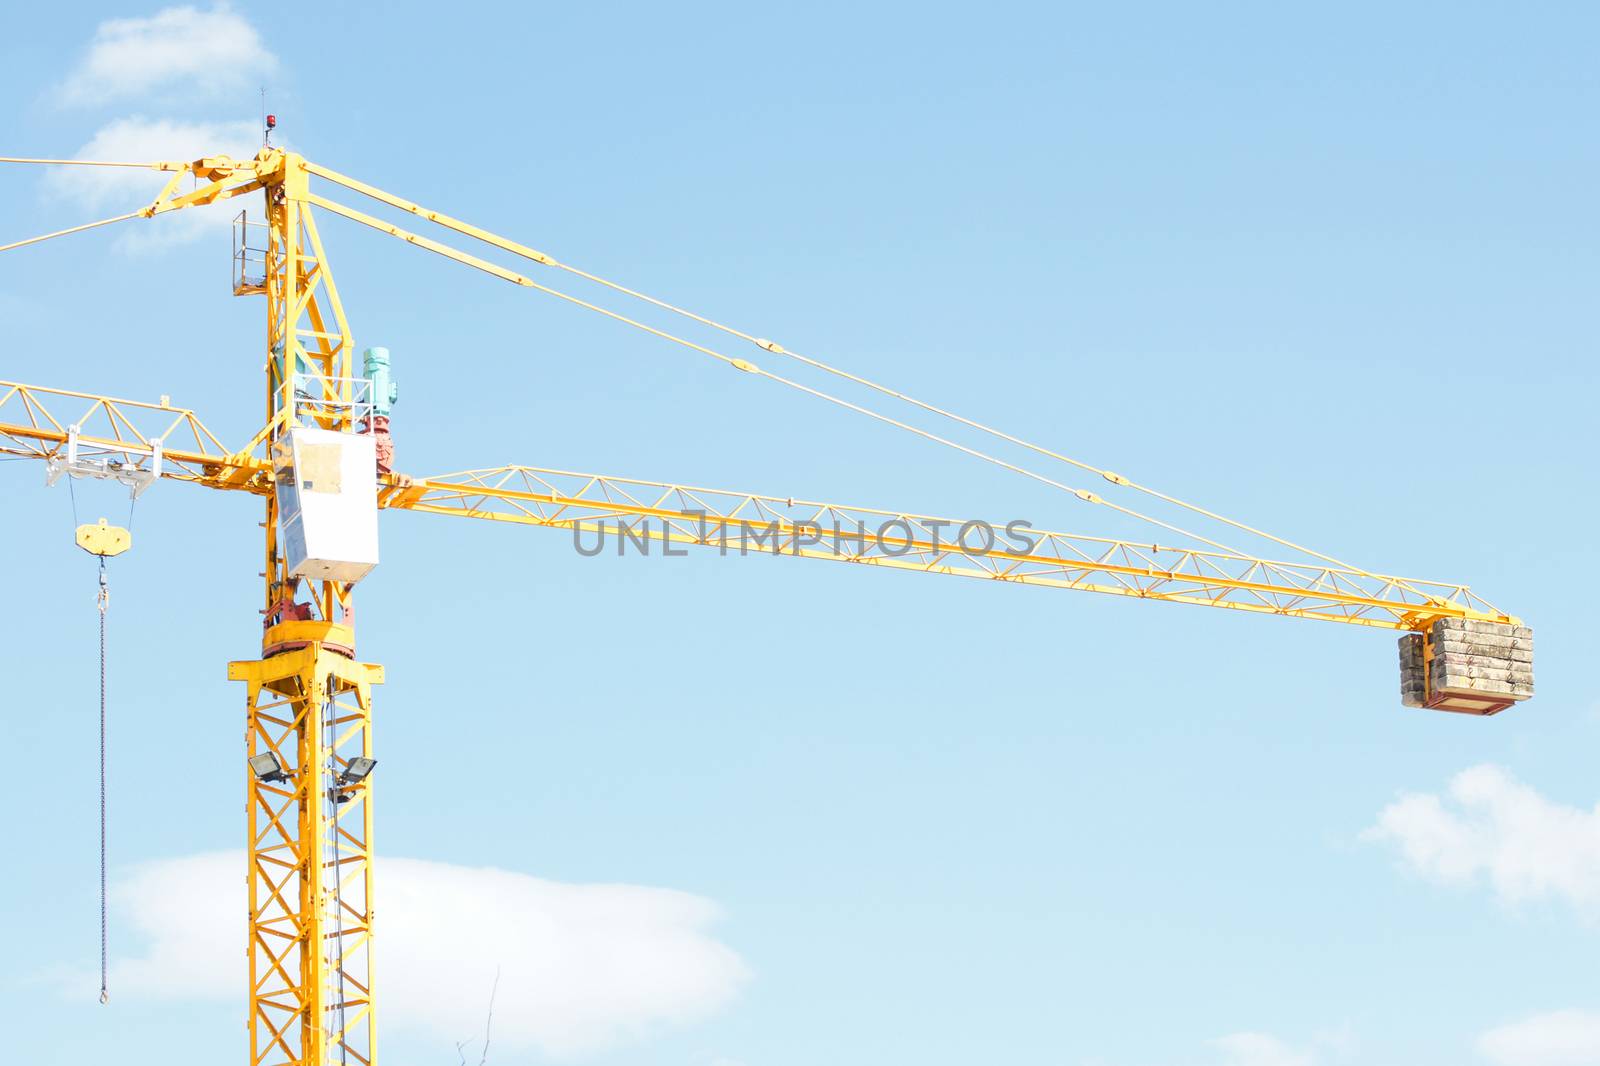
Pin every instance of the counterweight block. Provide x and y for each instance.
(1467, 666)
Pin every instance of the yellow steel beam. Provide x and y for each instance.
(309, 868)
(421, 242)
(34, 423)
(464, 228)
(221, 189)
(645, 511)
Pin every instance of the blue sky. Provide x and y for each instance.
(1330, 272)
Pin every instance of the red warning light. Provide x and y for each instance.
(272, 122)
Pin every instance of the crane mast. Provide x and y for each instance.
(309, 737)
(308, 701)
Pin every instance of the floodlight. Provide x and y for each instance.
(357, 770)
(269, 768)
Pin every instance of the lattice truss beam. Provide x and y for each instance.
(310, 871)
(679, 514)
(742, 523)
(123, 435)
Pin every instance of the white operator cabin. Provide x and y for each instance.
(327, 503)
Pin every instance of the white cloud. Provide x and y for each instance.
(1490, 826)
(1560, 1038)
(206, 51)
(106, 190)
(1260, 1049)
(582, 966)
(192, 52)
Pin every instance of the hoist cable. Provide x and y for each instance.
(103, 602)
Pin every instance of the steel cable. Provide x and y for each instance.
(778, 349)
(103, 602)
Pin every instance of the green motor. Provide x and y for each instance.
(375, 367)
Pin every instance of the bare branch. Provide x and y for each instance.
(489, 1022)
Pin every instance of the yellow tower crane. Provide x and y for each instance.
(321, 464)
